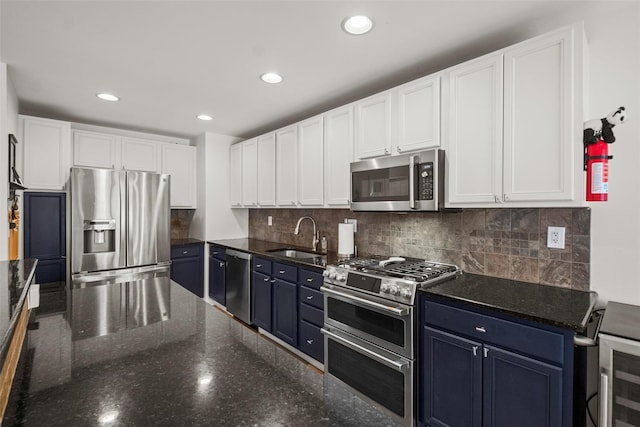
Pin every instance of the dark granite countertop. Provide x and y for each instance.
(18, 274)
(552, 305)
(186, 241)
(263, 248)
(176, 360)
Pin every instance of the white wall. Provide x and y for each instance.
(614, 47)
(8, 124)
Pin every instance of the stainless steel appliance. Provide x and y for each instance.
(107, 302)
(620, 366)
(238, 286)
(119, 220)
(409, 182)
(370, 328)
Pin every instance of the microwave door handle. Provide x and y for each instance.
(412, 182)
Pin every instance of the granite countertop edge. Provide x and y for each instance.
(578, 324)
(185, 241)
(6, 339)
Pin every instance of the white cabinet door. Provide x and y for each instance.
(140, 155)
(374, 125)
(419, 114)
(235, 175)
(474, 143)
(250, 173)
(179, 161)
(338, 146)
(540, 131)
(267, 170)
(311, 163)
(47, 153)
(95, 150)
(286, 166)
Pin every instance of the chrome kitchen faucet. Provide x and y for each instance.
(315, 232)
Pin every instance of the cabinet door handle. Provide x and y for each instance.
(475, 350)
(497, 198)
(399, 149)
(266, 280)
(258, 265)
(185, 252)
(309, 280)
(282, 271)
(506, 198)
(481, 329)
(486, 351)
(309, 297)
(215, 252)
(273, 281)
(309, 342)
(222, 264)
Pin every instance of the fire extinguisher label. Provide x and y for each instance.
(600, 178)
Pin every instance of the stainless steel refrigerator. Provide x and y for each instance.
(120, 244)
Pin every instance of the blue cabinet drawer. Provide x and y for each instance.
(515, 336)
(218, 252)
(182, 251)
(285, 272)
(311, 314)
(311, 296)
(311, 341)
(309, 278)
(262, 265)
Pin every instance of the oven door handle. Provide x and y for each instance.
(393, 310)
(394, 364)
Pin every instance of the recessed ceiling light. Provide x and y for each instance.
(357, 25)
(271, 78)
(204, 117)
(107, 97)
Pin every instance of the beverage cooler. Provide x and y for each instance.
(620, 366)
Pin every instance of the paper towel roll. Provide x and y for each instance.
(345, 240)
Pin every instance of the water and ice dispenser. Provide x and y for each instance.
(99, 236)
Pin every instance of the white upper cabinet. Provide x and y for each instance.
(338, 146)
(374, 125)
(47, 153)
(419, 114)
(179, 161)
(311, 162)
(250, 173)
(267, 170)
(96, 150)
(235, 175)
(140, 154)
(287, 166)
(543, 118)
(514, 125)
(474, 125)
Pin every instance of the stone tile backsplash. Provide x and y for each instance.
(508, 243)
(181, 222)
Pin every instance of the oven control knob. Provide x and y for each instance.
(385, 288)
(341, 277)
(332, 274)
(395, 290)
(326, 273)
(405, 293)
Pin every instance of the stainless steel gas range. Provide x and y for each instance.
(369, 329)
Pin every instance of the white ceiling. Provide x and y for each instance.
(172, 60)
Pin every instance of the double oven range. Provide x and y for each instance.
(370, 328)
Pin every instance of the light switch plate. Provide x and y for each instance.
(555, 237)
(269, 220)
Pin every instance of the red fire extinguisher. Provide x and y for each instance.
(596, 159)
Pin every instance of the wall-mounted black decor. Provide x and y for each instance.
(15, 183)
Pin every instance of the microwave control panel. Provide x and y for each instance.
(425, 181)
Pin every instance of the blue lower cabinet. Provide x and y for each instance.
(311, 340)
(217, 279)
(285, 311)
(465, 379)
(262, 300)
(187, 267)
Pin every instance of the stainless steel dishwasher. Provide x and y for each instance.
(238, 289)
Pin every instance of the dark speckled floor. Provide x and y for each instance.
(198, 368)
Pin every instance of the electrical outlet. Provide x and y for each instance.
(555, 237)
(269, 220)
(354, 222)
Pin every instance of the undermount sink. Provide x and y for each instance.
(295, 253)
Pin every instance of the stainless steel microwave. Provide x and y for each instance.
(405, 183)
